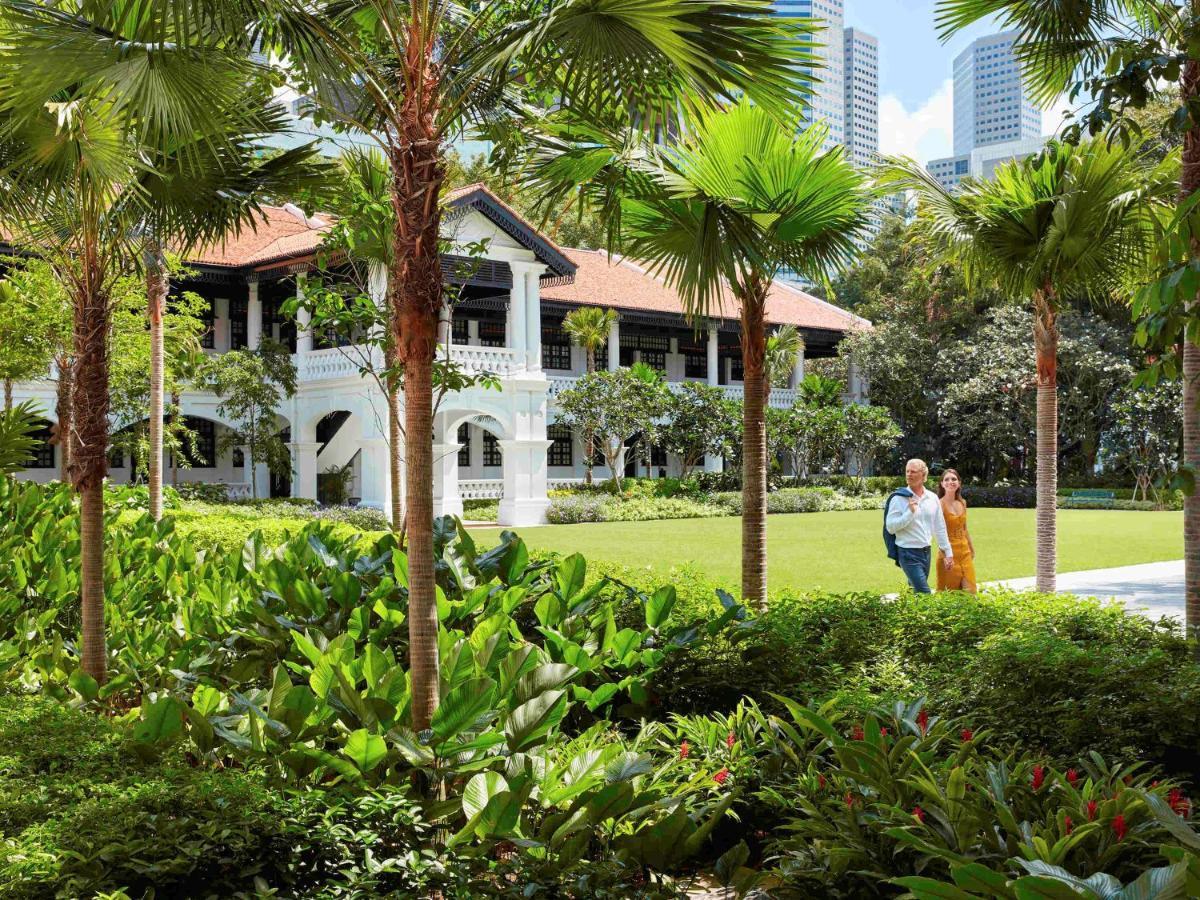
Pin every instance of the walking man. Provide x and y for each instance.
(914, 517)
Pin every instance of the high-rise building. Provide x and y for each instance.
(860, 65)
(828, 102)
(991, 103)
(982, 162)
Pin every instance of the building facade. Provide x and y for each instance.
(828, 102)
(991, 103)
(503, 444)
(860, 64)
(981, 163)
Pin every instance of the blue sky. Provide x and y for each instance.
(915, 98)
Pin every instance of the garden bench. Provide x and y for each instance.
(1092, 497)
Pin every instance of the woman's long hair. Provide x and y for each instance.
(942, 489)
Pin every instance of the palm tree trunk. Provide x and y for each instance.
(89, 457)
(418, 173)
(63, 411)
(1189, 183)
(175, 401)
(156, 299)
(589, 439)
(8, 392)
(1045, 339)
(395, 461)
(754, 447)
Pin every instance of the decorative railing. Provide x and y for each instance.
(781, 398)
(481, 489)
(238, 490)
(562, 484)
(347, 362)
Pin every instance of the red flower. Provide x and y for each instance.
(923, 721)
(966, 734)
(883, 732)
(1068, 824)
(730, 741)
(721, 777)
(1039, 777)
(1091, 810)
(821, 782)
(849, 800)
(857, 734)
(1180, 805)
(920, 814)
(684, 749)
(1118, 826)
(1072, 777)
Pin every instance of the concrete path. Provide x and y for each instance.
(1153, 589)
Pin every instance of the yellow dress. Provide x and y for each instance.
(960, 576)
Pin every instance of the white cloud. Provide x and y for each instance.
(1054, 118)
(925, 133)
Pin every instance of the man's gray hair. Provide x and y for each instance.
(916, 462)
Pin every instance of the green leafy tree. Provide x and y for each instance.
(818, 390)
(25, 349)
(1073, 221)
(1145, 437)
(870, 433)
(418, 75)
(700, 421)
(614, 407)
(252, 384)
(783, 346)
(589, 328)
(17, 427)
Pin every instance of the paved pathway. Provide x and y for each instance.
(1154, 589)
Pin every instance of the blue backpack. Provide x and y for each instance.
(889, 539)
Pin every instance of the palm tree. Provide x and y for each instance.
(742, 196)
(417, 75)
(1074, 222)
(1130, 46)
(783, 346)
(589, 327)
(88, 92)
(202, 191)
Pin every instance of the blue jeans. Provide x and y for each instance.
(915, 563)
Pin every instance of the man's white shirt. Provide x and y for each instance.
(915, 530)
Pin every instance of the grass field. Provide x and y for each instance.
(842, 551)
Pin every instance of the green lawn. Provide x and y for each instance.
(842, 551)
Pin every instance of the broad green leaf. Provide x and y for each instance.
(463, 707)
(548, 676)
(479, 790)
(161, 721)
(365, 749)
(533, 720)
(84, 684)
(659, 606)
(570, 576)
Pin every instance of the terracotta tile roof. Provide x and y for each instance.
(622, 284)
(281, 233)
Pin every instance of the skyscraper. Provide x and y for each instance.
(860, 61)
(991, 105)
(828, 101)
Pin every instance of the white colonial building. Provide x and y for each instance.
(502, 443)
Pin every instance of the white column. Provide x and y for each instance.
(253, 317)
(516, 312)
(377, 280)
(714, 359)
(797, 375)
(304, 338)
(247, 471)
(525, 482)
(533, 315)
(713, 463)
(855, 383)
(221, 330)
(262, 478)
(447, 501)
(473, 332)
(614, 346)
(375, 474)
(304, 469)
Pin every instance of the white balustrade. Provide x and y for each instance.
(347, 362)
(481, 489)
(562, 484)
(497, 360)
(782, 398)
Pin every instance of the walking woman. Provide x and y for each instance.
(960, 574)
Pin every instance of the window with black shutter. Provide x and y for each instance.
(655, 359)
(239, 458)
(464, 445)
(492, 334)
(458, 331)
(562, 451)
(208, 339)
(491, 450)
(602, 357)
(205, 454)
(116, 459)
(695, 365)
(43, 450)
(737, 372)
(237, 324)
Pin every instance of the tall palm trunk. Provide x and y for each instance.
(1045, 340)
(395, 461)
(63, 411)
(1188, 185)
(89, 455)
(156, 301)
(754, 446)
(418, 173)
(589, 439)
(8, 392)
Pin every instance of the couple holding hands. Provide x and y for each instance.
(914, 518)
